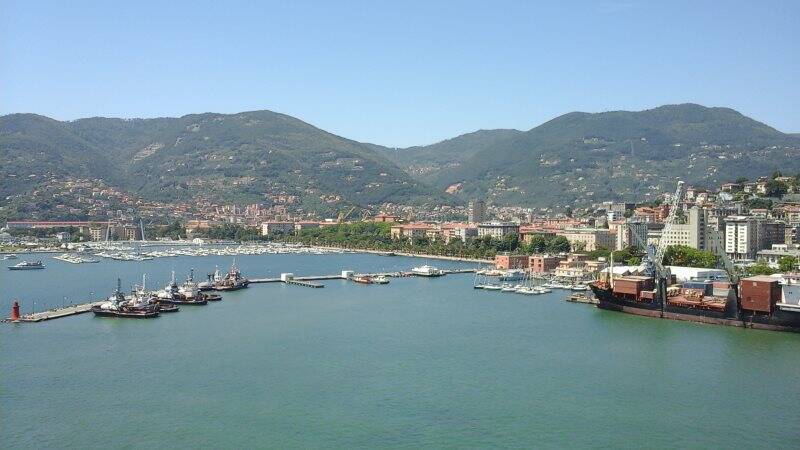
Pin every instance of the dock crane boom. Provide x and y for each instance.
(662, 274)
(668, 224)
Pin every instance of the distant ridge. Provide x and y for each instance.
(576, 158)
(583, 157)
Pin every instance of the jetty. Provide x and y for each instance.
(287, 278)
(58, 313)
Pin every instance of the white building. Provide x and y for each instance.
(741, 240)
(693, 233)
(497, 229)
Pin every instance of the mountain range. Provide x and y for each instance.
(574, 159)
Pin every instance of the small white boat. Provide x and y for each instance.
(528, 291)
(508, 288)
(492, 287)
(427, 271)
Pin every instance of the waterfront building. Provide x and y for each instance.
(497, 229)
(461, 231)
(508, 261)
(544, 263)
(590, 239)
(272, 227)
(741, 237)
(527, 233)
(578, 266)
(409, 230)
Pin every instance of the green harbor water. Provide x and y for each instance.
(418, 363)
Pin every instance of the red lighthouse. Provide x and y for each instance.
(15, 312)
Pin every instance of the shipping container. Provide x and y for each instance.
(759, 294)
(632, 285)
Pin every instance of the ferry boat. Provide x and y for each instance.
(427, 271)
(118, 306)
(27, 265)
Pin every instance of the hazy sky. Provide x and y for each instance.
(399, 72)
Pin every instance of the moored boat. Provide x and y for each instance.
(363, 279)
(27, 265)
(138, 307)
(427, 271)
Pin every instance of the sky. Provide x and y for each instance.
(399, 73)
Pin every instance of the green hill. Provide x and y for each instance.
(577, 158)
(426, 162)
(237, 157)
(581, 157)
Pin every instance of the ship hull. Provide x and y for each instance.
(777, 321)
(130, 315)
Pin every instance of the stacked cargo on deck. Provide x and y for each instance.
(633, 287)
(759, 294)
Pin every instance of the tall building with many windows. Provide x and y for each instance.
(741, 240)
(693, 232)
(476, 212)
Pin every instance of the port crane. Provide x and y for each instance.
(654, 259)
(344, 215)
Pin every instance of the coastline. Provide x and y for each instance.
(412, 255)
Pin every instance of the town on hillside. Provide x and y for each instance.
(756, 222)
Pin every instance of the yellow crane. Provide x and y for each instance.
(343, 216)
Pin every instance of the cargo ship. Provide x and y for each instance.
(760, 302)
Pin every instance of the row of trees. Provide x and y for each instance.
(377, 236)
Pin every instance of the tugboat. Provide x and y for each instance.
(232, 281)
(363, 279)
(171, 295)
(27, 265)
(190, 290)
(211, 280)
(118, 306)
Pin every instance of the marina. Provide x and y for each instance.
(189, 293)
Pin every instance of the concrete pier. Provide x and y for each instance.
(288, 278)
(59, 312)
